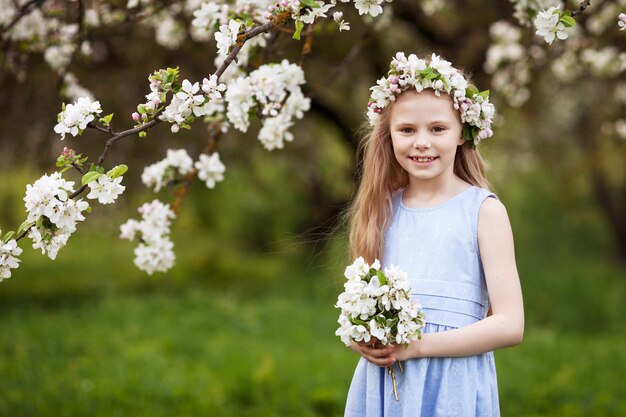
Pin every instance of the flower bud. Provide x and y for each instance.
(136, 116)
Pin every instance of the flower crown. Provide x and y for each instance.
(473, 105)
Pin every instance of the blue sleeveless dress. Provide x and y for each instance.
(438, 248)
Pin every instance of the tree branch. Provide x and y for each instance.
(581, 8)
(22, 11)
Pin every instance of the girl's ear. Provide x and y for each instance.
(461, 141)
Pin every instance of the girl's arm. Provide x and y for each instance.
(503, 328)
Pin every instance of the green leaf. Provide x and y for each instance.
(567, 20)
(143, 134)
(358, 321)
(381, 277)
(8, 236)
(24, 226)
(299, 27)
(90, 176)
(60, 163)
(118, 171)
(471, 90)
(83, 160)
(106, 119)
(484, 94)
(310, 3)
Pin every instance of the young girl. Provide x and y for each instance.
(423, 205)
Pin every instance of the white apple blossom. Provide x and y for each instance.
(275, 90)
(157, 175)
(75, 117)
(49, 241)
(183, 105)
(211, 88)
(9, 252)
(155, 251)
(369, 298)
(169, 32)
(55, 214)
(106, 189)
(210, 169)
(548, 25)
(316, 12)
(7, 12)
(621, 21)
(73, 90)
(371, 7)
(343, 25)
(227, 36)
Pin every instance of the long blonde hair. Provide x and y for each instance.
(381, 176)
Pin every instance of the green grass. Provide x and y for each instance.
(235, 329)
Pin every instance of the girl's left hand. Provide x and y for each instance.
(401, 352)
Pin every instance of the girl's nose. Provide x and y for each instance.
(421, 142)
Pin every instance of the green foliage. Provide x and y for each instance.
(299, 26)
(567, 19)
(117, 171)
(89, 177)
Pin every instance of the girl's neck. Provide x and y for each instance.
(425, 193)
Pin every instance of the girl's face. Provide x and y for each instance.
(425, 132)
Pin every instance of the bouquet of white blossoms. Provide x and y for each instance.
(377, 304)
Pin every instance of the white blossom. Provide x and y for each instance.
(212, 88)
(369, 298)
(8, 258)
(227, 36)
(371, 7)
(169, 32)
(177, 162)
(155, 251)
(210, 169)
(548, 25)
(106, 189)
(75, 117)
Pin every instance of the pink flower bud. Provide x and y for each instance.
(156, 101)
(136, 116)
(271, 8)
(464, 107)
(175, 128)
(398, 90)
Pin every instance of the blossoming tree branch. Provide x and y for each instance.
(224, 100)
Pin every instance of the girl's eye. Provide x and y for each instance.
(438, 129)
(406, 130)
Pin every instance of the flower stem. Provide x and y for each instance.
(393, 381)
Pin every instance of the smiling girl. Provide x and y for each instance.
(424, 205)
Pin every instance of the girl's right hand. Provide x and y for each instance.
(374, 352)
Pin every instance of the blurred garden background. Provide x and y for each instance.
(243, 325)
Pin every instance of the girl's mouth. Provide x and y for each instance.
(423, 159)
